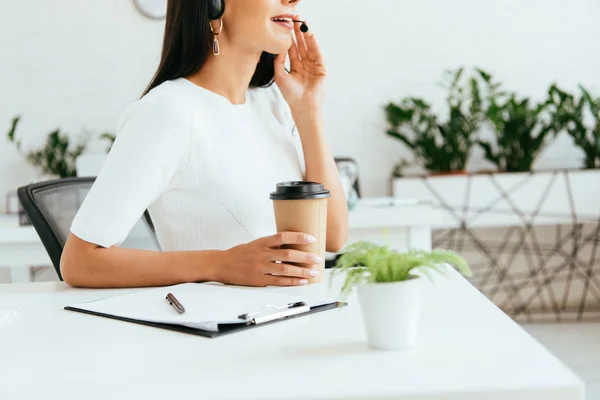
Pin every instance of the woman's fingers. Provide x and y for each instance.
(295, 256)
(283, 238)
(302, 48)
(270, 280)
(294, 55)
(291, 271)
(280, 65)
(314, 51)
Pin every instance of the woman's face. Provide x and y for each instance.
(250, 24)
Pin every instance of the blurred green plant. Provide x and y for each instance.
(569, 115)
(398, 170)
(58, 155)
(110, 138)
(521, 128)
(445, 146)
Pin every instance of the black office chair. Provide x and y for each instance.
(51, 207)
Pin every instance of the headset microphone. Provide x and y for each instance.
(303, 27)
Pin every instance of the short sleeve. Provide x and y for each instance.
(151, 144)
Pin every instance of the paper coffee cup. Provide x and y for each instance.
(302, 207)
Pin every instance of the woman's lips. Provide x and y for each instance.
(285, 23)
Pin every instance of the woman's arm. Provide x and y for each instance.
(321, 167)
(84, 264)
(303, 90)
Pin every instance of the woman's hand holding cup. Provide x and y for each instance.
(263, 262)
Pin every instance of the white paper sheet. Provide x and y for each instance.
(206, 306)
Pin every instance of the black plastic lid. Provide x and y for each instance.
(299, 191)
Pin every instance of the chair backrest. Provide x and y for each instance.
(51, 207)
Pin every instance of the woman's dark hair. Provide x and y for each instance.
(188, 43)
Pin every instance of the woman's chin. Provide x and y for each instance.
(279, 45)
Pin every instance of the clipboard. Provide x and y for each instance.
(276, 308)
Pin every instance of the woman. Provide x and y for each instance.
(202, 150)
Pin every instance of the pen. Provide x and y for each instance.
(175, 303)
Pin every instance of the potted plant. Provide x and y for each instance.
(442, 147)
(569, 115)
(57, 158)
(521, 128)
(389, 288)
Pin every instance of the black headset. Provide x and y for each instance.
(216, 8)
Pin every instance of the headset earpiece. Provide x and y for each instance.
(216, 8)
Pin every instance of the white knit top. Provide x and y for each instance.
(203, 168)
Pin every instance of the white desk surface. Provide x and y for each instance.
(468, 350)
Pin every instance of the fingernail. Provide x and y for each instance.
(317, 259)
(303, 281)
(314, 272)
(310, 239)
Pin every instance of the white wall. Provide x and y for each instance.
(78, 63)
(74, 64)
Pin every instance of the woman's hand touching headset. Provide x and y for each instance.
(303, 85)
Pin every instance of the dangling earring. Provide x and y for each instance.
(216, 48)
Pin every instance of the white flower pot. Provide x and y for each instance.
(391, 313)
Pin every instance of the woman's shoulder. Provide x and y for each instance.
(167, 103)
(169, 96)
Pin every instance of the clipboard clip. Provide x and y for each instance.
(283, 312)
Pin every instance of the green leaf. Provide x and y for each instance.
(484, 75)
(13, 128)
(489, 152)
(403, 138)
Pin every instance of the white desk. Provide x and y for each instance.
(403, 226)
(468, 350)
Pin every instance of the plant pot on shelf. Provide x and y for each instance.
(391, 313)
